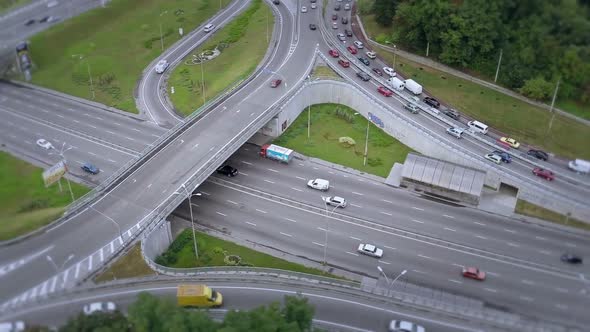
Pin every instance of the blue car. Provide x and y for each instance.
(506, 157)
(90, 168)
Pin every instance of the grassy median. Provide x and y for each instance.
(25, 203)
(532, 210)
(131, 265)
(331, 124)
(116, 43)
(242, 44)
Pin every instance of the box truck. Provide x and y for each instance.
(413, 86)
(396, 83)
(580, 166)
(276, 152)
(198, 295)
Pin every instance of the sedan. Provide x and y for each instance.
(456, 132)
(571, 258)
(544, 173)
(344, 63)
(275, 83)
(371, 55)
(352, 49)
(335, 201)
(344, 20)
(91, 308)
(161, 66)
(363, 76)
(334, 53)
(474, 273)
(370, 250)
(341, 37)
(404, 326)
(304, 9)
(493, 158)
(89, 168)
(542, 155)
(44, 19)
(432, 102)
(364, 61)
(313, 5)
(510, 141)
(451, 113)
(378, 71)
(348, 33)
(29, 22)
(45, 144)
(312, 27)
(334, 17)
(385, 91)
(389, 71)
(227, 170)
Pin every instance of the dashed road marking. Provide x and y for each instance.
(528, 282)
(289, 219)
(354, 192)
(269, 181)
(386, 213)
(418, 221)
(450, 229)
(251, 223)
(318, 244)
(352, 253)
(358, 206)
(384, 262)
(285, 234)
(491, 290)
(447, 216)
(417, 208)
(481, 237)
(273, 170)
(455, 281)
(355, 238)
(261, 211)
(245, 162)
(509, 230)
(526, 298)
(386, 201)
(230, 201)
(221, 214)
(392, 248)
(479, 223)
(297, 189)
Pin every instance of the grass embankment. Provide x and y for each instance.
(323, 72)
(217, 252)
(242, 44)
(25, 203)
(131, 265)
(7, 5)
(117, 42)
(532, 210)
(329, 123)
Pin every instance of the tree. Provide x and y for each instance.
(97, 322)
(537, 88)
(384, 11)
(297, 310)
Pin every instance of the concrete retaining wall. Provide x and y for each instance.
(157, 241)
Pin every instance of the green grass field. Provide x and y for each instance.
(117, 43)
(532, 210)
(235, 62)
(7, 5)
(327, 126)
(213, 252)
(323, 72)
(131, 265)
(25, 203)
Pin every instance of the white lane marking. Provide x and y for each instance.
(221, 214)
(450, 229)
(101, 255)
(110, 132)
(546, 252)
(418, 221)
(426, 257)
(479, 223)
(386, 213)
(300, 178)
(135, 129)
(112, 247)
(91, 126)
(562, 290)
(242, 173)
(77, 273)
(318, 244)
(361, 180)
(149, 186)
(571, 245)
(322, 229)
(355, 238)
(417, 271)
(230, 201)
(384, 262)
(261, 211)
(455, 281)
(61, 116)
(526, 298)
(513, 244)
(245, 162)
(358, 206)
(269, 181)
(509, 230)
(392, 248)
(195, 146)
(491, 290)
(540, 238)
(527, 282)
(129, 138)
(417, 208)
(289, 219)
(481, 237)
(561, 306)
(90, 263)
(76, 121)
(493, 274)
(386, 201)
(354, 192)
(251, 223)
(113, 161)
(342, 174)
(459, 265)
(447, 216)
(273, 170)
(330, 172)
(118, 124)
(205, 193)
(285, 234)
(92, 153)
(352, 253)
(297, 189)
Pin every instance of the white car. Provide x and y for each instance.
(161, 66)
(313, 5)
(404, 326)
(358, 44)
(389, 71)
(334, 25)
(335, 201)
(209, 27)
(371, 55)
(303, 9)
(45, 144)
(341, 37)
(91, 308)
(319, 184)
(493, 158)
(370, 250)
(456, 132)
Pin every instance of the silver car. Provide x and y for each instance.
(335, 201)
(405, 326)
(456, 132)
(370, 250)
(341, 36)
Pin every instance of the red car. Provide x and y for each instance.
(275, 83)
(385, 91)
(545, 174)
(334, 17)
(334, 53)
(344, 63)
(378, 71)
(474, 273)
(352, 49)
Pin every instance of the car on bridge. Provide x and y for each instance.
(378, 71)
(493, 158)
(544, 173)
(89, 168)
(542, 155)
(474, 273)
(161, 66)
(335, 201)
(385, 91)
(404, 326)
(365, 61)
(333, 53)
(510, 141)
(344, 63)
(506, 157)
(456, 132)
(275, 83)
(352, 49)
(91, 308)
(227, 170)
(370, 250)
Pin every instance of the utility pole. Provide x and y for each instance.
(498, 68)
(551, 110)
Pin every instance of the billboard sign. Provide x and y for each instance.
(54, 173)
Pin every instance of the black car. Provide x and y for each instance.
(312, 26)
(538, 154)
(363, 76)
(506, 157)
(337, 7)
(348, 33)
(227, 170)
(378, 71)
(90, 168)
(432, 102)
(571, 258)
(44, 19)
(451, 113)
(364, 60)
(29, 22)
(276, 2)
(344, 20)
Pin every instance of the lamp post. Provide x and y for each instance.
(190, 207)
(390, 284)
(326, 229)
(394, 54)
(58, 269)
(366, 141)
(81, 57)
(308, 110)
(161, 36)
(111, 220)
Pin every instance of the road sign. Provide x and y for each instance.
(54, 173)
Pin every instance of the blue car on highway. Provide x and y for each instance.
(89, 168)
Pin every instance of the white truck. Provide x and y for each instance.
(580, 166)
(396, 83)
(413, 86)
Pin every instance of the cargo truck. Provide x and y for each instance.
(198, 295)
(276, 152)
(413, 86)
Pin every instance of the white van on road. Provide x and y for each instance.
(478, 127)
(579, 165)
(319, 184)
(209, 27)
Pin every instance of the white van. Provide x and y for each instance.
(319, 184)
(579, 166)
(478, 127)
(209, 27)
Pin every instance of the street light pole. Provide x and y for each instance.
(308, 110)
(112, 220)
(366, 143)
(190, 207)
(390, 284)
(394, 54)
(326, 230)
(498, 67)
(161, 36)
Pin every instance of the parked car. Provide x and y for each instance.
(493, 158)
(510, 141)
(227, 170)
(378, 71)
(404, 326)
(341, 37)
(161, 66)
(319, 184)
(456, 132)
(90, 168)
(312, 27)
(45, 144)
(333, 53)
(91, 308)
(432, 102)
(371, 54)
(544, 173)
(303, 9)
(344, 63)
(370, 250)
(348, 33)
(474, 273)
(358, 44)
(363, 76)
(451, 113)
(385, 91)
(335, 201)
(571, 258)
(389, 71)
(538, 154)
(275, 83)
(506, 157)
(364, 60)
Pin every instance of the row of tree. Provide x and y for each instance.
(542, 41)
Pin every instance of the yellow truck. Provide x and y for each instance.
(195, 295)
